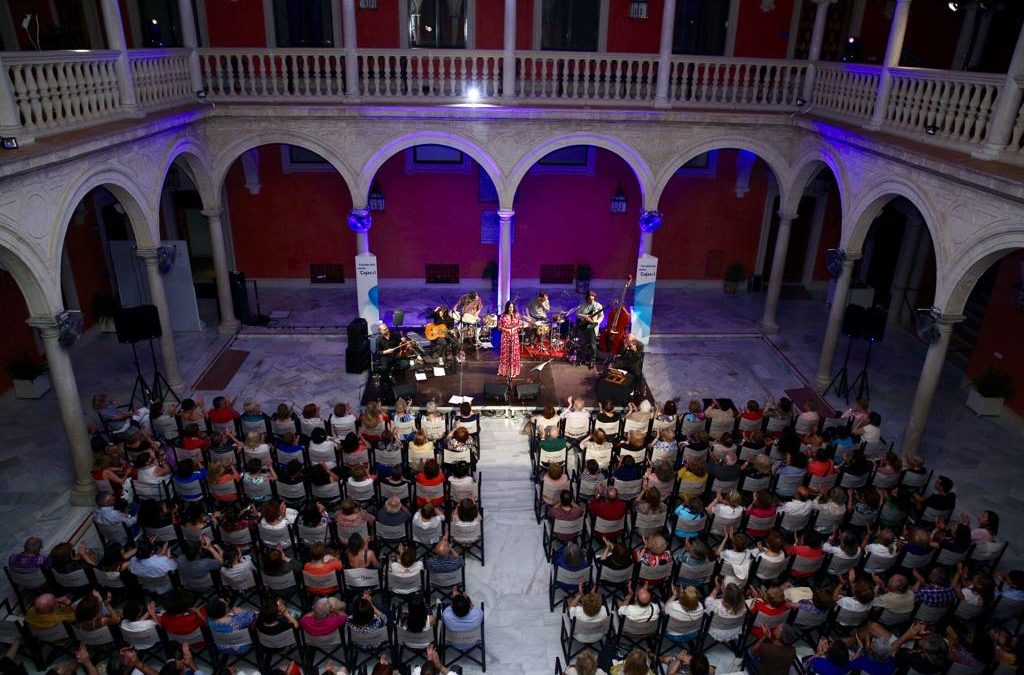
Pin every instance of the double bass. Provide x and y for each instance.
(615, 331)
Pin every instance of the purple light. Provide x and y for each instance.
(650, 221)
(359, 220)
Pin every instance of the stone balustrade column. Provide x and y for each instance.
(62, 378)
(928, 383)
(504, 256)
(814, 49)
(893, 51)
(348, 27)
(359, 220)
(1004, 117)
(835, 321)
(191, 42)
(158, 297)
(114, 30)
(769, 321)
(228, 321)
(668, 23)
(508, 66)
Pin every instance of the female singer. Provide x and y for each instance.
(509, 323)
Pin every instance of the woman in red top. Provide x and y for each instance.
(772, 603)
(431, 476)
(180, 617)
(822, 464)
(763, 506)
(808, 545)
(753, 414)
(321, 561)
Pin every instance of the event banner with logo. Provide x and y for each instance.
(367, 291)
(643, 296)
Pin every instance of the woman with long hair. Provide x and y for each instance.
(509, 324)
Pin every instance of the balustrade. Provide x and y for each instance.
(951, 105)
(161, 77)
(845, 91)
(58, 89)
(569, 76)
(735, 83)
(433, 74)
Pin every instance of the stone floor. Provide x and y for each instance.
(705, 344)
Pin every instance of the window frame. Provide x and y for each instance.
(403, 27)
(270, 28)
(602, 27)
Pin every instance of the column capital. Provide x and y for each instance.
(850, 258)
(787, 215)
(506, 214)
(147, 253)
(215, 212)
(945, 322)
(650, 221)
(359, 220)
(46, 325)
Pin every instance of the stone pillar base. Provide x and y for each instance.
(83, 495)
(228, 327)
(821, 382)
(769, 328)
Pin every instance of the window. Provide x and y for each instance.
(570, 25)
(303, 23)
(438, 24)
(160, 23)
(701, 27)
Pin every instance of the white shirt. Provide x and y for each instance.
(638, 613)
(323, 452)
(582, 618)
(870, 433)
(108, 515)
(796, 508)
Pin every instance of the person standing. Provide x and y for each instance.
(588, 320)
(509, 324)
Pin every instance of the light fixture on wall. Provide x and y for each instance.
(376, 199)
(931, 129)
(619, 203)
(9, 143)
(638, 9)
(367, 4)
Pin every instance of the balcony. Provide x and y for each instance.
(47, 93)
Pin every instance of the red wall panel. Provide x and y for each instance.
(84, 249)
(1001, 329)
(236, 23)
(763, 34)
(524, 24)
(378, 28)
(18, 339)
(637, 36)
(296, 219)
(490, 24)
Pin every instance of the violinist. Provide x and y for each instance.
(389, 350)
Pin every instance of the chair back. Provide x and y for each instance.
(327, 643)
(162, 534)
(696, 571)
(913, 561)
(257, 492)
(820, 483)
(656, 573)
(165, 426)
(777, 424)
(883, 481)
(96, 637)
(361, 578)
(414, 641)
(291, 492)
(553, 456)
(190, 637)
(321, 583)
(447, 579)
(240, 538)
(200, 584)
(73, 579)
(587, 632)
(890, 618)
(805, 565)
(342, 426)
(915, 480)
(312, 535)
(345, 532)
(678, 626)
(721, 426)
(610, 429)
(429, 492)
(223, 427)
(628, 489)
(692, 488)
(140, 639)
(157, 585)
(115, 533)
(405, 584)
(568, 528)
(805, 426)
(612, 576)
(326, 493)
(688, 526)
(576, 428)
(359, 493)
(277, 641)
(629, 426)
(878, 564)
(273, 537)
(549, 492)
(389, 455)
(193, 536)
(987, 551)
(851, 481)
(639, 630)
(585, 489)
(875, 450)
(748, 425)
(769, 570)
(226, 491)
(387, 491)
(56, 633)
(723, 623)
(931, 515)
(231, 641)
(806, 619)
(851, 618)
(150, 491)
(433, 427)
(650, 522)
(601, 525)
(826, 521)
(690, 427)
(467, 533)
(279, 582)
(969, 611)
(863, 518)
(690, 454)
(841, 564)
(391, 532)
(241, 581)
(719, 523)
(281, 427)
(723, 486)
(793, 522)
(759, 523)
(108, 579)
(930, 614)
(768, 622)
(786, 484)
(457, 492)
(571, 577)
(463, 637)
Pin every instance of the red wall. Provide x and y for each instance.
(564, 219)
(18, 339)
(1001, 329)
(490, 24)
(524, 24)
(296, 219)
(703, 215)
(763, 34)
(84, 249)
(378, 28)
(235, 23)
(637, 36)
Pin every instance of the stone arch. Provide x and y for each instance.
(974, 258)
(138, 207)
(861, 212)
(618, 147)
(394, 146)
(18, 257)
(229, 155)
(807, 169)
(192, 159)
(765, 152)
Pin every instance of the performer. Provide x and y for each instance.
(632, 357)
(442, 346)
(389, 351)
(470, 304)
(509, 323)
(588, 320)
(539, 307)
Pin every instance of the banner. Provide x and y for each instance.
(643, 297)
(367, 291)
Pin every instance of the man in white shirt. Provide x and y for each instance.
(577, 420)
(870, 432)
(153, 564)
(106, 512)
(800, 505)
(644, 609)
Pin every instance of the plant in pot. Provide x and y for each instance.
(988, 392)
(583, 275)
(104, 308)
(491, 272)
(733, 277)
(29, 377)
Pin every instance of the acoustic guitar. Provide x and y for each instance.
(434, 331)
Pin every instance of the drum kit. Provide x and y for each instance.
(471, 327)
(544, 338)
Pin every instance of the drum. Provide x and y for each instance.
(470, 319)
(542, 329)
(491, 321)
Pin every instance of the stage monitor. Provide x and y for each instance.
(529, 391)
(495, 392)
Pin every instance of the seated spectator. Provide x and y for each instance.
(416, 617)
(653, 553)
(870, 432)
(882, 546)
(976, 594)
(322, 449)
(571, 558)
(554, 481)
(752, 446)
(274, 619)
(431, 476)
(461, 616)
(822, 465)
(235, 519)
(427, 524)
(461, 481)
(276, 517)
(763, 506)
(575, 415)
(352, 515)
(758, 467)
(649, 503)
(321, 476)
(814, 602)
(628, 470)
(693, 477)
(771, 602)
(942, 498)
(109, 512)
(354, 452)
(929, 654)
(635, 663)
(808, 418)
(139, 616)
(831, 507)
(420, 450)
(587, 608)
(724, 470)
(406, 564)
(773, 549)
(615, 556)
(443, 559)
(894, 595)
(255, 448)
(365, 615)
(694, 411)
(155, 515)
(716, 413)
(180, 617)
(327, 617)
(223, 474)
(359, 479)
(256, 473)
(322, 561)
(373, 422)
(552, 447)
(639, 606)
(467, 512)
(728, 507)
(223, 411)
(188, 472)
(393, 513)
(691, 510)
(236, 571)
(843, 547)
(730, 605)
(725, 443)
(102, 471)
(634, 446)
(873, 659)
(198, 560)
(800, 505)
(49, 611)
(596, 448)
(774, 651)
(593, 478)
(341, 421)
(852, 594)
(808, 545)
(987, 529)
(394, 477)
(665, 448)
(462, 446)
(684, 605)
(152, 470)
(793, 466)
(937, 592)
(736, 557)
(65, 558)
(359, 554)
(832, 657)
(609, 507)
(153, 563)
(224, 619)
(95, 611)
(694, 552)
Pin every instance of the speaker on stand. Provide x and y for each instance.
(357, 353)
(138, 324)
(874, 331)
(853, 327)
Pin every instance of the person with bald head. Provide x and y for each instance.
(639, 605)
(443, 558)
(48, 611)
(394, 512)
(31, 559)
(608, 506)
(897, 596)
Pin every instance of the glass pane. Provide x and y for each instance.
(159, 23)
(570, 25)
(437, 24)
(303, 23)
(701, 27)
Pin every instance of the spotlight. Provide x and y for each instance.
(953, 6)
(201, 94)
(801, 102)
(931, 129)
(9, 143)
(473, 94)
(851, 39)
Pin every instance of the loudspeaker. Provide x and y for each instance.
(406, 391)
(618, 394)
(495, 391)
(853, 320)
(135, 324)
(874, 324)
(239, 294)
(358, 332)
(529, 391)
(357, 358)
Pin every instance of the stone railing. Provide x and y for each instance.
(161, 77)
(56, 90)
(1016, 146)
(440, 74)
(735, 83)
(272, 74)
(950, 105)
(846, 91)
(571, 76)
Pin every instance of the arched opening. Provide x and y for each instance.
(286, 211)
(20, 341)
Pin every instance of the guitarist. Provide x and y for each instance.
(588, 319)
(442, 346)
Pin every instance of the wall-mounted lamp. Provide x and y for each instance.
(376, 200)
(638, 9)
(619, 203)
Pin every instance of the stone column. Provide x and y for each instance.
(769, 323)
(912, 231)
(650, 222)
(508, 65)
(814, 50)
(62, 378)
(668, 23)
(963, 43)
(766, 228)
(191, 42)
(360, 221)
(158, 298)
(835, 322)
(1004, 117)
(927, 383)
(921, 253)
(504, 256)
(893, 50)
(857, 17)
(814, 241)
(348, 27)
(114, 30)
(228, 321)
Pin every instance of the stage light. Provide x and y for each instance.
(953, 6)
(473, 94)
(9, 143)
(931, 129)
(851, 39)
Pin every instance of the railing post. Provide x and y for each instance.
(893, 50)
(1004, 116)
(114, 30)
(668, 22)
(191, 42)
(814, 50)
(508, 63)
(10, 120)
(348, 16)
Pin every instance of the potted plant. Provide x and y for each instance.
(491, 272)
(988, 391)
(104, 308)
(733, 277)
(29, 377)
(583, 275)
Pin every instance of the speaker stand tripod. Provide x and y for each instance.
(861, 381)
(161, 388)
(840, 381)
(141, 389)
